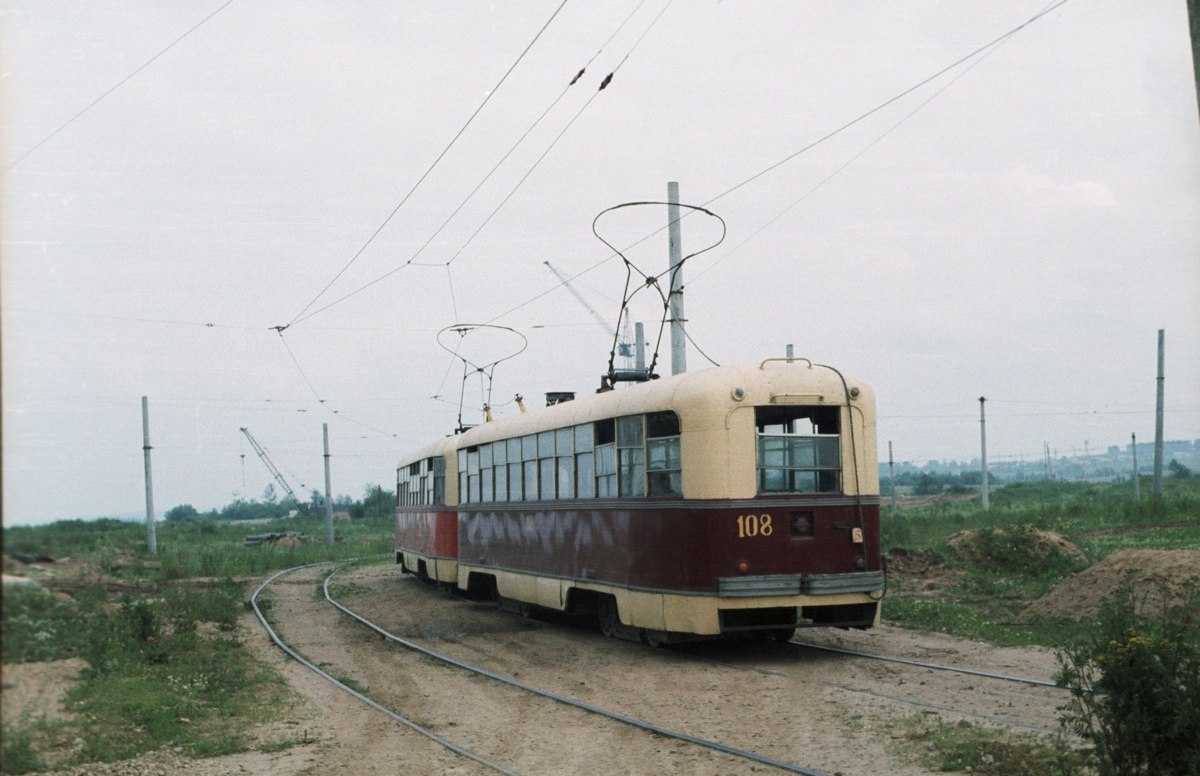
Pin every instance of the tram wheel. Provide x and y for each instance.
(783, 635)
(606, 615)
(654, 638)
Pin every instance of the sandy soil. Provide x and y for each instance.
(827, 712)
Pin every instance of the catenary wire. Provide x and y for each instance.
(888, 102)
(803, 150)
(603, 85)
(113, 88)
(491, 93)
(820, 184)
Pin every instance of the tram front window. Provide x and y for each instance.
(799, 449)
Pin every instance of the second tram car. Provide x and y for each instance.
(717, 502)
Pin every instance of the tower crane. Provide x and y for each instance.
(266, 459)
(625, 343)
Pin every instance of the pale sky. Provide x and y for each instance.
(180, 178)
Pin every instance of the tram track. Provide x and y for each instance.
(655, 731)
(929, 665)
(787, 703)
(1040, 692)
(406, 722)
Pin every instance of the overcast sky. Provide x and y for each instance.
(182, 177)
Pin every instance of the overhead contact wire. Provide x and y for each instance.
(806, 148)
(850, 161)
(427, 172)
(888, 102)
(114, 87)
(412, 260)
(603, 85)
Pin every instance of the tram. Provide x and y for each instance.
(726, 501)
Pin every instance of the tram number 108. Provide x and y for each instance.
(750, 526)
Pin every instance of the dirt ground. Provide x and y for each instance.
(823, 711)
(1159, 576)
(827, 712)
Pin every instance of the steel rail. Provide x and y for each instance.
(453, 747)
(640, 724)
(935, 666)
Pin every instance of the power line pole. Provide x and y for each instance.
(328, 488)
(983, 451)
(1137, 485)
(151, 539)
(891, 470)
(1158, 419)
(675, 300)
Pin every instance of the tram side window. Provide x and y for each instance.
(631, 456)
(663, 465)
(564, 456)
(462, 475)
(421, 482)
(606, 459)
(546, 477)
(515, 491)
(530, 464)
(585, 464)
(472, 474)
(799, 449)
(500, 464)
(485, 473)
(438, 496)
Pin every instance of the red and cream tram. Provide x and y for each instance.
(722, 501)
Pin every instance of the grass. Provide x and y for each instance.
(188, 550)
(165, 665)
(1006, 566)
(963, 746)
(167, 669)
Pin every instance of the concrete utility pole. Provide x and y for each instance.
(328, 488)
(151, 539)
(675, 300)
(1137, 485)
(891, 472)
(983, 451)
(1158, 419)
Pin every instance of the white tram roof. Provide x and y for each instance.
(692, 394)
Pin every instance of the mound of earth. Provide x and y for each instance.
(1158, 576)
(1036, 544)
(920, 573)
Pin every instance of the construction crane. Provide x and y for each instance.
(266, 459)
(625, 343)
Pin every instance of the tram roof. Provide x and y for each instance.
(775, 381)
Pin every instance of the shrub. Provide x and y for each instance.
(1135, 687)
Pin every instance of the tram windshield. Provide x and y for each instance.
(799, 449)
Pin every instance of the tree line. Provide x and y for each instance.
(376, 503)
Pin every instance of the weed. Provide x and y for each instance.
(1135, 686)
(963, 746)
(18, 755)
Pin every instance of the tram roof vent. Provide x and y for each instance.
(558, 397)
